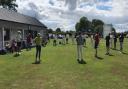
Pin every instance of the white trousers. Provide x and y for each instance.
(80, 52)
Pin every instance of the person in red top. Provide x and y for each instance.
(97, 40)
(29, 40)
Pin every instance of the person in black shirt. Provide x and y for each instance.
(121, 39)
(107, 44)
(115, 40)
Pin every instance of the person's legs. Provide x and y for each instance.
(39, 52)
(114, 45)
(78, 52)
(96, 45)
(81, 52)
(121, 46)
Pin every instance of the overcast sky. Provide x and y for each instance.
(65, 13)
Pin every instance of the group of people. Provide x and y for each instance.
(17, 44)
(111, 39)
(78, 38)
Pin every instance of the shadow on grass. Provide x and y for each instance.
(16, 55)
(124, 53)
(110, 55)
(100, 58)
(115, 49)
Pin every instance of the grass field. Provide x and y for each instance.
(60, 70)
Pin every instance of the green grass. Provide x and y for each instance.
(60, 70)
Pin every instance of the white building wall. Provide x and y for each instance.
(107, 29)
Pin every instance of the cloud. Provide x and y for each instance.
(65, 13)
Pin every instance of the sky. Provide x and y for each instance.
(65, 13)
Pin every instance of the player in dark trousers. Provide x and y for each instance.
(107, 44)
(38, 42)
(80, 42)
(96, 39)
(115, 40)
(121, 39)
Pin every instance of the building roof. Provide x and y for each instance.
(12, 16)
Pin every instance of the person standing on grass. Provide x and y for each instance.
(111, 40)
(80, 41)
(38, 42)
(96, 39)
(29, 41)
(115, 40)
(73, 38)
(91, 38)
(107, 44)
(18, 40)
(54, 40)
(121, 39)
(67, 38)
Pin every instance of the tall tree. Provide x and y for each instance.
(58, 30)
(9, 4)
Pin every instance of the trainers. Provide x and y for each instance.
(82, 62)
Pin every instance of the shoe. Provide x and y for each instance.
(82, 61)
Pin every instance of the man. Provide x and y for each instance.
(80, 42)
(115, 40)
(73, 38)
(111, 40)
(38, 42)
(121, 39)
(96, 39)
(18, 40)
(107, 44)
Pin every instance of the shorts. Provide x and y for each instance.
(19, 44)
(96, 45)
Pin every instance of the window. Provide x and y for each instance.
(6, 34)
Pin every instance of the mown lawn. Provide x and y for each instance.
(60, 70)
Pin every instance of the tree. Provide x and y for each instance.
(97, 25)
(83, 25)
(50, 30)
(9, 4)
(58, 30)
